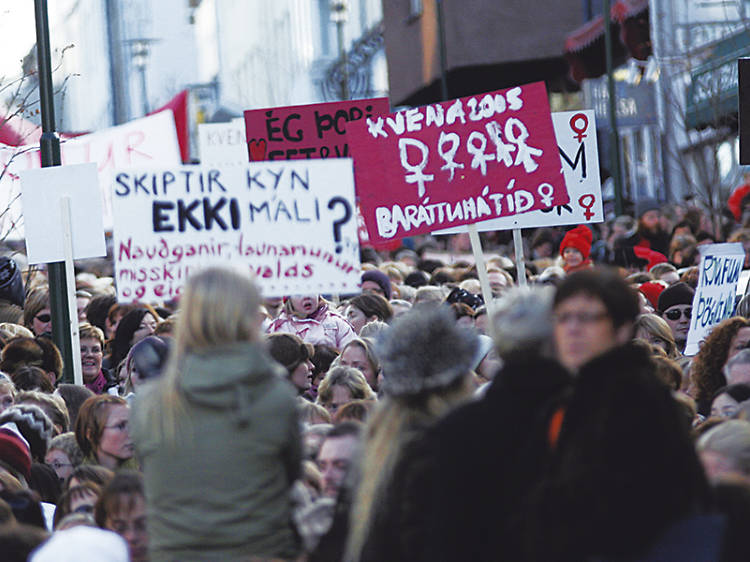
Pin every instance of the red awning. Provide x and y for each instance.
(585, 48)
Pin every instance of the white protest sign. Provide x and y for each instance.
(575, 132)
(719, 272)
(148, 141)
(289, 223)
(222, 143)
(42, 194)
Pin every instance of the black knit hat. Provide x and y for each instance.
(377, 276)
(425, 350)
(643, 206)
(679, 293)
(11, 283)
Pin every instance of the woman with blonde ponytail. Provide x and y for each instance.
(218, 434)
(427, 363)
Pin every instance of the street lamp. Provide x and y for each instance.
(339, 13)
(139, 53)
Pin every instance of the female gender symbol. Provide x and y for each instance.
(588, 213)
(546, 193)
(580, 130)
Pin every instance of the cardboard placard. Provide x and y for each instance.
(42, 191)
(222, 143)
(291, 224)
(457, 162)
(718, 275)
(575, 132)
(306, 131)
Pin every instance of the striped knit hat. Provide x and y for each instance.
(33, 425)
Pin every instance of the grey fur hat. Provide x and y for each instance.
(424, 351)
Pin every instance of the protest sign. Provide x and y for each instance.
(222, 143)
(718, 274)
(457, 162)
(575, 132)
(306, 131)
(291, 224)
(42, 193)
(141, 142)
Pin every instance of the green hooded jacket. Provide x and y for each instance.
(220, 489)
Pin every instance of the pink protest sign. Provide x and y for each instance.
(306, 131)
(458, 162)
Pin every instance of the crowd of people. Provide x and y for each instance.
(560, 421)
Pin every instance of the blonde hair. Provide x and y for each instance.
(218, 307)
(658, 327)
(347, 377)
(387, 434)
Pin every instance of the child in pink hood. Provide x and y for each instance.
(312, 319)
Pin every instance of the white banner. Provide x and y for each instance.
(150, 141)
(289, 223)
(719, 272)
(222, 143)
(575, 132)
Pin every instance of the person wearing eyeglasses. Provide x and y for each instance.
(63, 455)
(103, 432)
(594, 310)
(675, 305)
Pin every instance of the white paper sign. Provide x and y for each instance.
(222, 143)
(575, 132)
(42, 193)
(719, 272)
(289, 223)
(148, 141)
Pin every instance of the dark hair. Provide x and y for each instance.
(323, 357)
(97, 309)
(459, 295)
(372, 305)
(74, 395)
(111, 500)
(619, 298)
(94, 473)
(26, 507)
(357, 410)
(39, 351)
(738, 392)
(128, 325)
(29, 377)
(44, 481)
(17, 542)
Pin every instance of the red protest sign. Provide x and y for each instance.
(457, 162)
(306, 131)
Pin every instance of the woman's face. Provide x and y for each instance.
(59, 462)
(644, 334)
(115, 443)
(340, 395)
(130, 524)
(724, 406)
(91, 358)
(739, 342)
(301, 377)
(6, 399)
(355, 356)
(356, 318)
(145, 329)
(42, 322)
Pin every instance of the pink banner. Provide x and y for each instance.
(306, 131)
(457, 162)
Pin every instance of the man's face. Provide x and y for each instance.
(678, 318)
(583, 330)
(334, 459)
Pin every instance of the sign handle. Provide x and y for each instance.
(71, 289)
(484, 281)
(520, 263)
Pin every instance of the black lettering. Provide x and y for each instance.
(270, 129)
(580, 155)
(323, 123)
(213, 178)
(166, 179)
(297, 137)
(211, 213)
(121, 179)
(159, 216)
(184, 215)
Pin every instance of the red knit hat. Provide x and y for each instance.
(735, 200)
(579, 238)
(652, 256)
(14, 453)
(652, 290)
